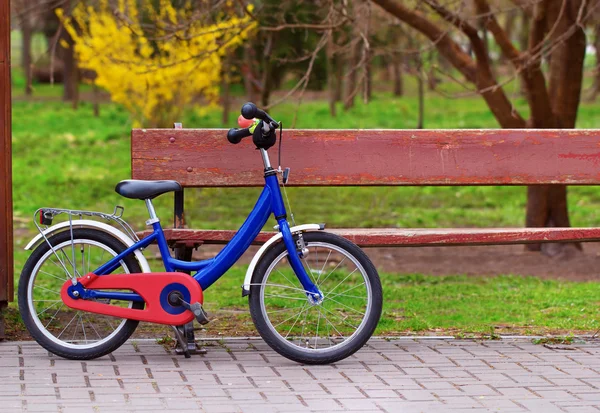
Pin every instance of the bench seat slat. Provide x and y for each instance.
(204, 157)
(392, 237)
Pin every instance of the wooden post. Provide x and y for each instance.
(6, 237)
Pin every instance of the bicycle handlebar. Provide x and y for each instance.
(236, 135)
(250, 111)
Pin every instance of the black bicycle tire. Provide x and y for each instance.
(22, 295)
(293, 352)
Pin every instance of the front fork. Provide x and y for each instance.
(313, 293)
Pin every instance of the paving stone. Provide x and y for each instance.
(408, 375)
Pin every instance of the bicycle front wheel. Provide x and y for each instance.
(316, 332)
(66, 332)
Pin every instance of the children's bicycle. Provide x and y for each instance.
(314, 297)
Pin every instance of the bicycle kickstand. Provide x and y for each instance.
(186, 343)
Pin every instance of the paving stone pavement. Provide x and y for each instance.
(241, 375)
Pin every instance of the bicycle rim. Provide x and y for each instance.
(330, 325)
(62, 325)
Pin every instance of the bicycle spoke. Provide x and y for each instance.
(52, 275)
(317, 262)
(303, 326)
(70, 262)
(93, 328)
(61, 333)
(317, 333)
(295, 321)
(341, 318)
(82, 250)
(323, 268)
(62, 267)
(287, 297)
(308, 265)
(349, 308)
(83, 328)
(289, 318)
(350, 289)
(88, 261)
(341, 282)
(327, 326)
(284, 276)
(284, 286)
(332, 271)
(46, 289)
(54, 316)
(282, 310)
(337, 331)
(48, 308)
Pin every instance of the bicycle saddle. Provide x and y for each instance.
(137, 189)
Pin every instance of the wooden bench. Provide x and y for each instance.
(204, 158)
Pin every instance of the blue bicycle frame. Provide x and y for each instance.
(209, 271)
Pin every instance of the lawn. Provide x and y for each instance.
(68, 158)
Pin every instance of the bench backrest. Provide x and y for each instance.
(204, 157)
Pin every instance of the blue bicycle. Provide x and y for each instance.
(314, 297)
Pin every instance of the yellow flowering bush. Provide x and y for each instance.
(151, 57)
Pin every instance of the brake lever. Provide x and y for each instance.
(268, 126)
(286, 175)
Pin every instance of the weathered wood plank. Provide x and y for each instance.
(6, 225)
(402, 237)
(203, 157)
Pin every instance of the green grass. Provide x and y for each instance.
(458, 305)
(68, 158)
(464, 306)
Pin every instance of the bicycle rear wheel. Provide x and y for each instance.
(66, 332)
(316, 333)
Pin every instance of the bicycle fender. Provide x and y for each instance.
(266, 245)
(88, 223)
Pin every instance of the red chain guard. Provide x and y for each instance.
(148, 285)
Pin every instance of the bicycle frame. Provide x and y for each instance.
(210, 270)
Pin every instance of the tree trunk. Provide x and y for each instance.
(225, 82)
(368, 82)
(431, 79)
(351, 87)
(596, 85)
(421, 89)
(70, 76)
(95, 102)
(339, 77)
(553, 23)
(249, 74)
(509, 23)
(26, 32)
(523, 43)
(548, 205)
(397, 72)
(330, 75)
(267, 79)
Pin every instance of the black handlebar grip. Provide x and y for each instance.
(250, 111)
(236, 135)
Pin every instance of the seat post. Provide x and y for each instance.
(153, 218)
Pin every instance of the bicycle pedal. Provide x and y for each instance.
(197, 310)
(199, 313)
